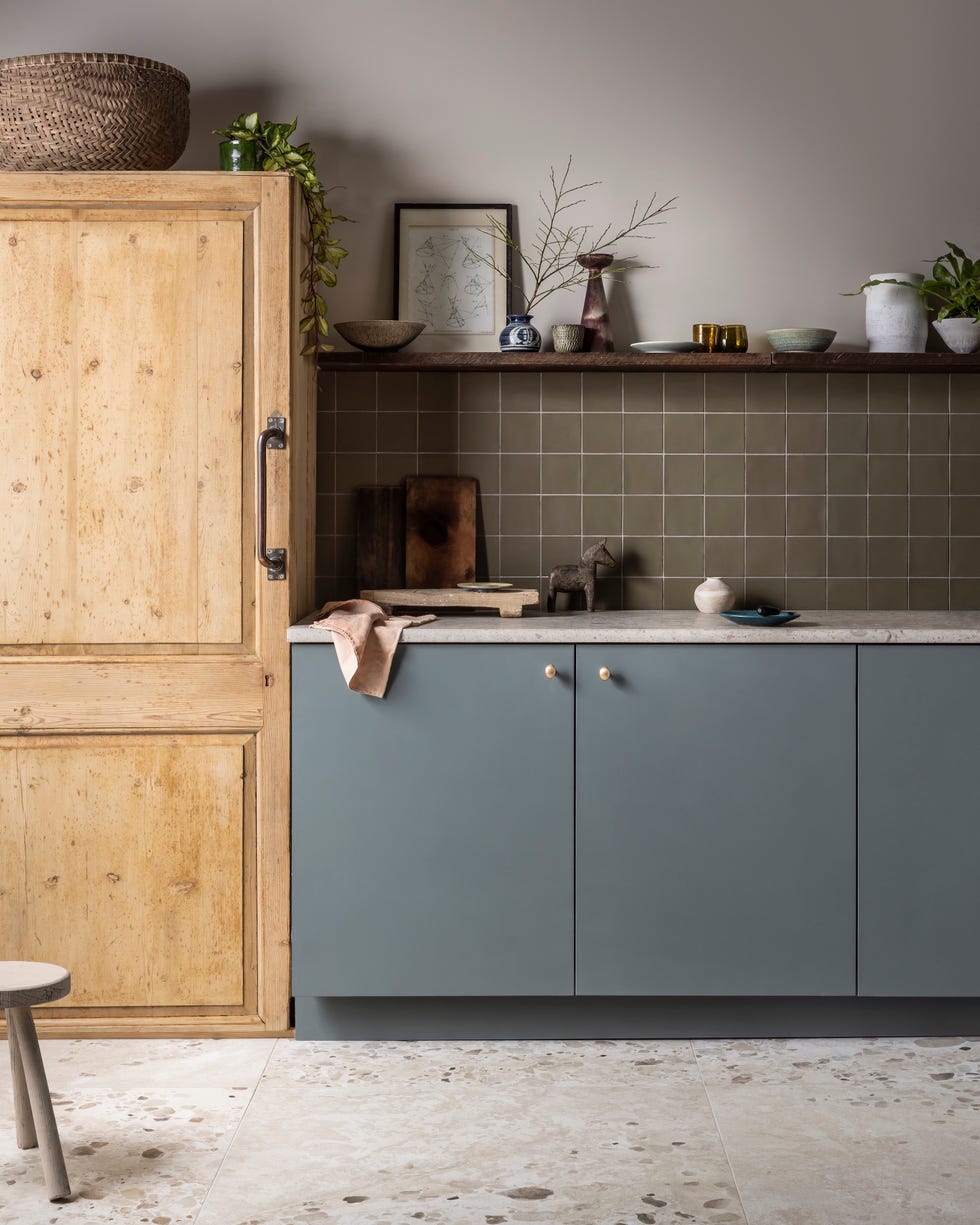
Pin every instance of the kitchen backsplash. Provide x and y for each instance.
(803, 490)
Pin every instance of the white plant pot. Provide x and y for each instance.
(895, 318)
(714, 596)
(960, 335)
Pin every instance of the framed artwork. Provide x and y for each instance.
(440, 279)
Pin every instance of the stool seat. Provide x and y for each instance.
(26, 983)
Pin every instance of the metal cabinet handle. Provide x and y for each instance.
(272, 438)
(604, 674)
(550, 671)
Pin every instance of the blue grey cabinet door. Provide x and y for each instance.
(715, 820)
(433, 829)
(918, 820)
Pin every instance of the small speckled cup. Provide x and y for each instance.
(567, 337)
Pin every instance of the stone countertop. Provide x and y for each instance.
(689, 627)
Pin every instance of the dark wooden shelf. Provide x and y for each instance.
(699, 363)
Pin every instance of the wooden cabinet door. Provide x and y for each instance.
(715, 820)
(918, 825)
(147, 334)
(432, 831)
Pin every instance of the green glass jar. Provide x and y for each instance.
(237, 155)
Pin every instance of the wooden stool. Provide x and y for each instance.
(22, 984)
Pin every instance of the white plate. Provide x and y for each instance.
(668, 346)
(484, 586)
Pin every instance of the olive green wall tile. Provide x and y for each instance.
(344, 561)
(439, 392)
(806, 593)
(964, 432)
(847, 557)
(888, 393)
(929, 433)
(847, 474)
(325, 514)
(888, 593)
(394, 466)
(520, 431)
(643, 516)
(964, 594)
(928, 594)
(643, 432)
(643, 393)
(888, 474)
(684, 393)
(438, 432)
(765, 555)
(964, 393)
(602, 516)
(679, 592)
(354, 393)
(683, 516)
(964, 515)
(684, 432)
(683, 555)
(561, 432)
(643, 555)
(559, 551)
(344, 514)
(602, 432)
(438, 463)
(888, 556)
(964, 474)
(602, 473)
(398, 432)
(806, 474)
(725, 556)
(477, 392)
(847, 516)
(888, 433)
(724, 393)
(928, 516)
(643, 473)
(765, 432)
(806, 393)
(561, 393)
(847, 393)
(520, 392)
(765, 393)
(354, 470)
(357, 431)
(928, 393)
(724, 516)
(929, 556)
(845, 594)
(724, 432)
(847, 432)
(765, 516)
(765, 474)
(520, 474)
(479, 432)
(964, 557)
(488, 514)
(724, 473)
(561, 474)
(931, 474)
(806, 556)
(683, 474)
(520, 554)
(608, 593)
(486, 469)
(520, 515)
(602, 393)
(396, 393)
(806, 515)
(806, 433)
(643, 593)
(888, 516)
(763, 589)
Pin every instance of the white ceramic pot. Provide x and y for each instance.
(895, 318)
(960, 335)
(714, 596)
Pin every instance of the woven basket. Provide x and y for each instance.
(91, 110)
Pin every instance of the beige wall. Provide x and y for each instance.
(808, 144)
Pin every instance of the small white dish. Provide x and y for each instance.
(667, 346)
(484, 586)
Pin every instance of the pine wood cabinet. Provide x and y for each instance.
(148, 332)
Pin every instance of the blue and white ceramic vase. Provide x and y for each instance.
(520, 336)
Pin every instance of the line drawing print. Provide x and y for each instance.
(441, 261)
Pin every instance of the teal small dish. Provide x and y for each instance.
(748, 616)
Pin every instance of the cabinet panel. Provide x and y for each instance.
(432, 830)
(919, 824)
(715, 820)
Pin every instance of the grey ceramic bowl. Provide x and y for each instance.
(800, 340)
(379, 335)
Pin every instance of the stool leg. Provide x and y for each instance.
(26, 1135)
(52, 1157)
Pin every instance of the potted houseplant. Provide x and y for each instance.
(953, 291)
(274, 150)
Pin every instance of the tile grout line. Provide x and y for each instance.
(721, 1137)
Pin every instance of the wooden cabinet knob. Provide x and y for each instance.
(604, 674)
(550, 671)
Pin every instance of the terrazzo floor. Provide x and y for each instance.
(265, 1132)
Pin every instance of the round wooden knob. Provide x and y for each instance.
(551, 672)
(604, 674)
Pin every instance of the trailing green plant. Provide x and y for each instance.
(277, 152)
(551, 260)
(953, 290)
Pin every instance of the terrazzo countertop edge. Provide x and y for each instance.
(682, 627)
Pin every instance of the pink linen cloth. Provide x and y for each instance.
(365, 638)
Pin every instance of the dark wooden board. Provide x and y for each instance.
(440, 530)
(379, 536)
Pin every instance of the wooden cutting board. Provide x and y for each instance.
(379, 536)
(440, 530)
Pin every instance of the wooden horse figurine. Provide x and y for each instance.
(580, 577)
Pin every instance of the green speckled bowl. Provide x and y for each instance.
(800, 340)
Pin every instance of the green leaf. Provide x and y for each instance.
(306, 323)
(250, 122)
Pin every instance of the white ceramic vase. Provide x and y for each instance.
(714, 596)
(960, 335)
(895, 317)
